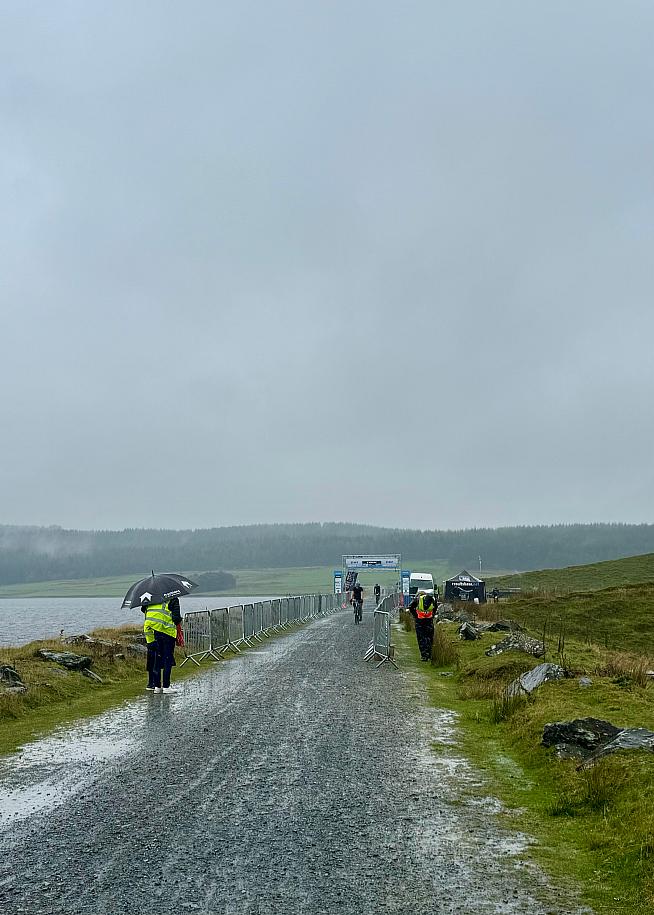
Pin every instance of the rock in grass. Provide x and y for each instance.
(468, 632)
(585, 681)
(135, 649)
(627, 739)
(10, 681)
(580, 738)
(92, 675)
(517, 642)
(532, 679)
(504, 626)
(10, 676)
(67, 659)
(90, 642)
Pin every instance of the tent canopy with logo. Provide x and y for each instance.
(465, 586)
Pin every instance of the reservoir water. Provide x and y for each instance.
(26, 618)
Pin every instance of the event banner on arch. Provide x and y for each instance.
(373, 561)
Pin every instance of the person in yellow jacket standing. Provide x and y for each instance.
(160, 628)
(422, 608)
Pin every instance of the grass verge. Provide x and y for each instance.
(595, 827)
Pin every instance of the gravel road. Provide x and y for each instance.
(293, 779)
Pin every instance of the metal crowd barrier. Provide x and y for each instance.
(380, 648)
(212, 633)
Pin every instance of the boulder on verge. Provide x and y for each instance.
(532, 679)
(504, 626)
(10, 675)
(67, 659)
(135, 648)
(91, 642)
(580, 738)
(10, 680)
(517, 642)
(627, 739)
(468, 632)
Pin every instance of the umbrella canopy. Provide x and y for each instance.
(157, 589)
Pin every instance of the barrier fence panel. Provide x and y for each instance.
(276, 611)
(258, 621)
(235, 627)
(219, 630)
(266, 617)
(307, 607)
(283, 612)
(380, 648)
(248, 622)
(197, 636)
(211, 633)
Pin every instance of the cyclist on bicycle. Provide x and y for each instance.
(377, 593)
(357, 599)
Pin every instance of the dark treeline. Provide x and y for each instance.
(44, 554)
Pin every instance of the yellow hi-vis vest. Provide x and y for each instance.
(158, 617)
(422, 613)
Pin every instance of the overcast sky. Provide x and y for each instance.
(286, 261)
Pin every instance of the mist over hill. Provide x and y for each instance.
(30, 554)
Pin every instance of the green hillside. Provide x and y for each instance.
(610, 574)
(617, 618)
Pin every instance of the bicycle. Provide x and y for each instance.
(358, 611)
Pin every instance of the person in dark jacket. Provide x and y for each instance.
(377, 593)
(422, 609)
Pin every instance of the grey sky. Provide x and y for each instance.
(301, 233)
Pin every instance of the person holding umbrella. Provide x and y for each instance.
(158, 598)
(161, 621)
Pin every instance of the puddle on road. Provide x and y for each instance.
(47, 772)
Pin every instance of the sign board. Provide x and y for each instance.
(338, 581)
(350, 580)
(406, 577)
(373, 561)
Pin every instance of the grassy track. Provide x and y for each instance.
(595, 825)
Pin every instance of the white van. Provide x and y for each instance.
(421, 581)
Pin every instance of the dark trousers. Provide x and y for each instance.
(425, 636)
(150, 662)
(164, 659)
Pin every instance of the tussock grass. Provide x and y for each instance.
(504, 707)
(474, 688)
(445, 651)
(407, 621)
(627, 668)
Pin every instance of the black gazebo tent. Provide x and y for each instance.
(465, 586)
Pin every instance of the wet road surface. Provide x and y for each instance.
(294, 779)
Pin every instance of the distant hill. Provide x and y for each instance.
(38, 554)
(634, 570)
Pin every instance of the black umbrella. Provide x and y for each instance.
(157, 589)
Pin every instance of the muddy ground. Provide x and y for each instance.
(294, 780)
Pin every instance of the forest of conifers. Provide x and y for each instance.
(30, 554)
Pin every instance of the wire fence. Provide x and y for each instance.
(380, 648)
(212, 633)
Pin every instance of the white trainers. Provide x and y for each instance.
(149, 689)
(158, 689)
(169, 689)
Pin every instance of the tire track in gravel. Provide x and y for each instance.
(294, 779)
